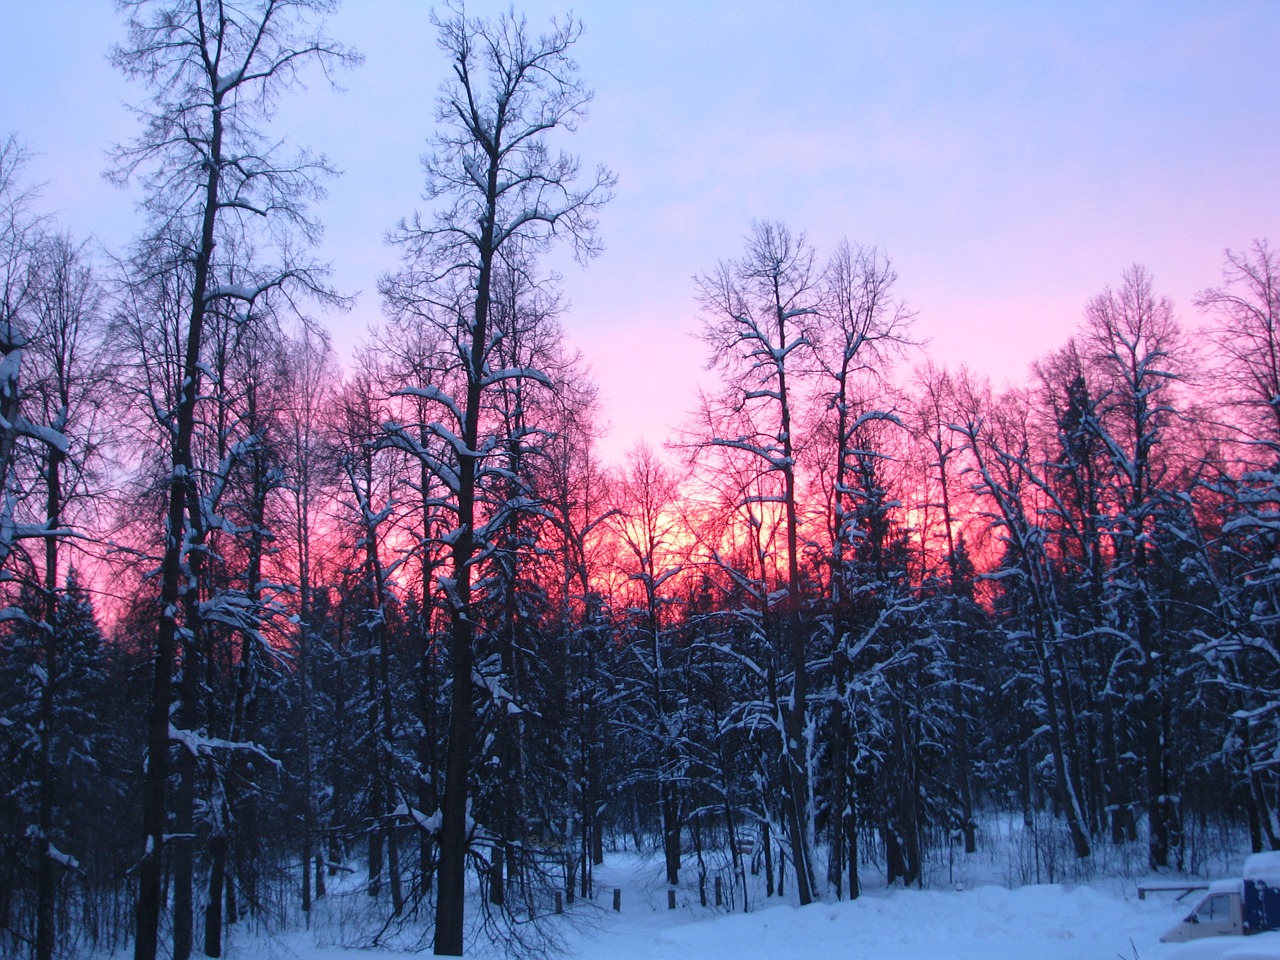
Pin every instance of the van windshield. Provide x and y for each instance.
(1213, 909)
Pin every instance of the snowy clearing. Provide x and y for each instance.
(1104, 920)
(1045, 922)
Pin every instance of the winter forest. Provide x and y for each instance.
(272, 627)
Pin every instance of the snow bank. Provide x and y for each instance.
(1047, 922)
(1103, 921)
(1263, 946)
(1044, 922)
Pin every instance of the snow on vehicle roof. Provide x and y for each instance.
(1233, 885)
(1263, 866)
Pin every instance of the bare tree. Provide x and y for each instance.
(1073, 482)
(64, 369)
(863, 324)
(218, 194)
(1245, 334)
(575, 497)
(995, 438)
(311, 386)
(755, 310)
(644, 517)
(372, 476)
(1133, 343)
(49, 312)
(502, 195)
(21, 234)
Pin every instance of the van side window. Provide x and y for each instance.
(1215, 908)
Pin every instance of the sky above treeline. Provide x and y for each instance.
(1011, 158)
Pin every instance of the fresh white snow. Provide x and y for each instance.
(1045, 922)
(1264, 867)
(1101, 920)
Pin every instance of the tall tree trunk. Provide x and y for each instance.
(851, 835)
(1062, 766)
(241, 826)
(839, 798)
(183, 496)
(184, 799)
(1117, 796)
(796, 720)
(46, 892)
(386, 735)
(310, 848)
(453, 830)
(213, 909)
(670, 802)
(963, 778)
(427, 681)
(393, 870)
(451, 896)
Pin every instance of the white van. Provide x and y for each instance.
(1246, 905)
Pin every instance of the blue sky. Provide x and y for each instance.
(1012, 158)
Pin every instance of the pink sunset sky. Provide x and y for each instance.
(1012, 158)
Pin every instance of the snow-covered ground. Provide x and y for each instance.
(1102, 920)
(1045, 922)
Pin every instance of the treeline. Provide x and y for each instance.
(272, 630)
